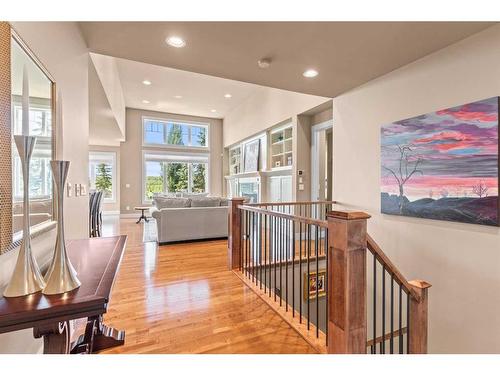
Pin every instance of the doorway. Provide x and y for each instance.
(322, 161)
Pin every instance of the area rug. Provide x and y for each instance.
(149, 233)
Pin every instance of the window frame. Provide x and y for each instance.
(192, 158)
(106, 155)
(189, 123)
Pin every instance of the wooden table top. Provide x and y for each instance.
(96, 260)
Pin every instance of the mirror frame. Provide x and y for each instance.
(7, 35)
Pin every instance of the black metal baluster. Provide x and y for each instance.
(242, 238)
(260, 251)
(400, 338)
(407, 323)
(246, 242)
(293, 268)
(287, 256)
(275, 256)
(252, 247)
(281, 259)
(392, 315)
(265, 253)
(316, 249)
(300, 272)
(326, 284)
(308, 271)
(374, 346)
(382, 343)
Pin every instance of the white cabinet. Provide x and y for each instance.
(280, 189)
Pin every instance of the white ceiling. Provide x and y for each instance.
(200, 93)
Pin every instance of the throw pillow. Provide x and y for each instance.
(161, 202)
(205, 202)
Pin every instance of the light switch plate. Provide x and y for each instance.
(301, 187)
(68, 189)
(83, 189)
(77, 190)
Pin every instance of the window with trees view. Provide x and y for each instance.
(174, 133)
(102, 169)
(171, 170)
(166, 173)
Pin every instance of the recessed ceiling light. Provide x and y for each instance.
(175, 41)
(178, 96)
(145, 101)
(310, 73)
(146, 82)
(228, 96)
(213, 110)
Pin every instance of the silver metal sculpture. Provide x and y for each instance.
(26, 278)
(61, 276)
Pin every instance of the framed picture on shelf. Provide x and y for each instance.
(310, 284)
(252, 150)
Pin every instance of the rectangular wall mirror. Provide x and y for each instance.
(41, 125)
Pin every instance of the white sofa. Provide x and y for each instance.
(188, 219)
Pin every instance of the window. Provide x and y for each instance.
(40, 173)
(102, 174)
(174, 133)
(174, 173)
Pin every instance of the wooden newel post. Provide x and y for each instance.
(419, 317)
(234, 233)
(347, 282)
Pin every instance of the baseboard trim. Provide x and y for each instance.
(193, 240)
(130, 216)
(106, 213)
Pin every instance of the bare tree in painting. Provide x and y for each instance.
(408, 166)
(481, 190)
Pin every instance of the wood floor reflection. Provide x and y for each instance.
(182, 299)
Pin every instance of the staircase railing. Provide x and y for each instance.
(308, 261)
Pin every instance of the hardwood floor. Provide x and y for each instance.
(182, 299)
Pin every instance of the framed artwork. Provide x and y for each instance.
(443, 165)
(310, 284)
(252, 150)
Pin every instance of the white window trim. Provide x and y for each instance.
(191, 155)
(105, 157)
(178, 147)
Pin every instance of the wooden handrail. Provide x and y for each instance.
(296, 218)
(386, 337)
(391, 268)
(290, 203)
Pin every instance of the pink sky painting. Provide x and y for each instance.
(458, 148)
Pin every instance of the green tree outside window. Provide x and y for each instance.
(104, 179)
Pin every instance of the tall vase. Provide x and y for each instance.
(61, 276)
(26, 278)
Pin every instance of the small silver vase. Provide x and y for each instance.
(26, 278)
(61, 276)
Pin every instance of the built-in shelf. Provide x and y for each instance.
(281, 148)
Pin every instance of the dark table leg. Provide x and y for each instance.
(142, 217)
(98, 336)
(55, 337)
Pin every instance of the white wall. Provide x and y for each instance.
(62, 50)
(265, 108)
(462, 261)
(107, 71)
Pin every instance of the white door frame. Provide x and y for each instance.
(315, 131)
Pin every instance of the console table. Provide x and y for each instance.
(96, 261)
